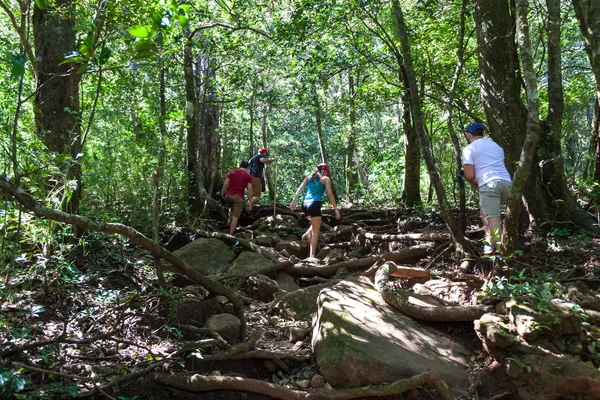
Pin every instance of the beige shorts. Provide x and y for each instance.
(492, 195)
(256, 187)
(236, 203)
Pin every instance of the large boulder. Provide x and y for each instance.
(248, 263)
(358, 339)
(206, 256)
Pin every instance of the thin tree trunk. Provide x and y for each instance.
(509, 236)
(264, 128)
(596, 139)
(208, 117)
(412, 151)
(351, 168)
(319, 123)
(192, 139)
(457, 235)
(450, 112)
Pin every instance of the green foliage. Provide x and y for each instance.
(11, 383)
(541, 289)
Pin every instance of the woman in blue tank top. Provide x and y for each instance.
(316, 184)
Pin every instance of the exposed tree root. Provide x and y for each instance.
(330, 270)
(202, 383)
(424, 237)
(403, 271)
(400, 300)
(32, 204)
(257, 354)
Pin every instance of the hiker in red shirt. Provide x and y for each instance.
(237, 181)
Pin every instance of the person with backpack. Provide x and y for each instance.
(237, 181)
(316, 184)
(484, 168)
(257, 166)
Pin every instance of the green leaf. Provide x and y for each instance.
(41, 4)
(140, 31)
(105, 54)
(17, 62)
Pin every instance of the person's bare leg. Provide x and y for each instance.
(315, 224)
(234, 222)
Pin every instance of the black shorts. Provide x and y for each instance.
(312, 208)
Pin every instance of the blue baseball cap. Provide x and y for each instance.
(474, 127)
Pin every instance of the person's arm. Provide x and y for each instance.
(249, 189)
(300, 189)
(266, 160)
(225, 187)
(470, 175)
(327, 182)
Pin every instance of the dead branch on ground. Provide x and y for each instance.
(201, 383)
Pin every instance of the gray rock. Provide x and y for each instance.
(227, 325)
(262, 288)
(286, 282)
(358, 339)
(264, 240)
(334, 256)
(317, 381)
(206, 256)
(248, 263)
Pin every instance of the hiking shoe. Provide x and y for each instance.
(488, 250)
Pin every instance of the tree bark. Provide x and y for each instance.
(57, 117)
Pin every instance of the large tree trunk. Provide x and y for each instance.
(588, 15)
(415, 102)
(57, 119)
(506, 114)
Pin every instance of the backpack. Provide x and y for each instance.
(254, 170)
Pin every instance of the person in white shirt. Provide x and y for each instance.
(484, 168)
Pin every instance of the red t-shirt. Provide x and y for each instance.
(238, 180)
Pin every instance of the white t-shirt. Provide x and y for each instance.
(487, 159)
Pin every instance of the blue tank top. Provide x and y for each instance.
(314, 190)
